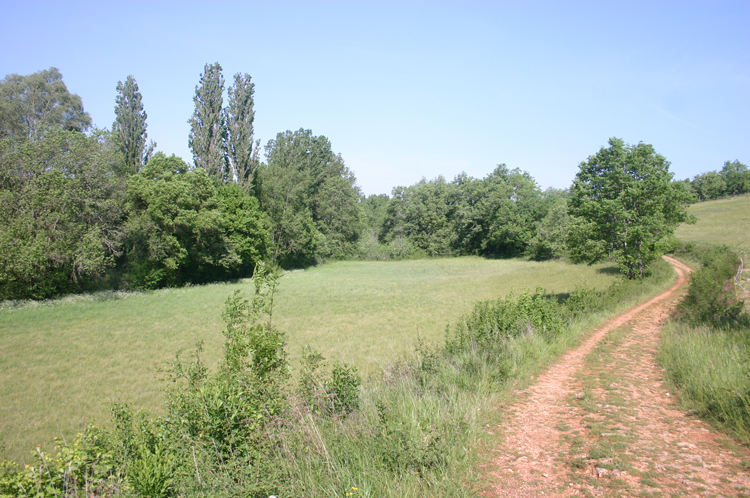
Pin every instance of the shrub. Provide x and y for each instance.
(492, 321)
(710, 299)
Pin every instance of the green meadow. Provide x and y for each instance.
(724, 221)
(64, 361)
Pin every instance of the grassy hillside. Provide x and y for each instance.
(725, 221)
(62, 364)
(704, 353)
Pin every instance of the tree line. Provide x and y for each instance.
(85, 209)
(732, 179)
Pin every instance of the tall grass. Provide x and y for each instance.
(711, 369)
(419, 425)
(705, 348)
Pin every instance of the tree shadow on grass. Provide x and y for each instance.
(609, 270)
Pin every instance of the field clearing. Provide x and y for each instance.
(724, 221)
(61, 365)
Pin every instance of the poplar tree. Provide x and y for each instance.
(207, 128)
(129, 128)
(242, 151)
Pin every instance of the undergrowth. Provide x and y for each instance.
(705, 348)
(249, 430)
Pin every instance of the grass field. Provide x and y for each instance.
(62, 364)
(725, 221)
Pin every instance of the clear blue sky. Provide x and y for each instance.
(406, 90)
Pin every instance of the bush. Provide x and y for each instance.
(710, 299)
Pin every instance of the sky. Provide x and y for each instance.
(410, 89)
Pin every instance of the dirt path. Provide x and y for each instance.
(601, 423)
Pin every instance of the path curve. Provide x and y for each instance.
(556, 425)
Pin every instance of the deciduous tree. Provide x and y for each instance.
(736, 177)
(34, 104)
(182, 228)
(311, 198)
(60, 214)
(626, 205)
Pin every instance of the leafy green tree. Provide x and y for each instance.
(512, 206)
(551, 232)
(626, 205)
(243, 151)
(129, 128)
(424, 215)
(34, 104)
(736, 177)
(495, 216)
(708, 186)
(208, 131)
(311, 198)
(182, 228)
(60, 214)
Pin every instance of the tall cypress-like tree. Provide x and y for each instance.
(243, 152)
(207, 128)
(129, 128)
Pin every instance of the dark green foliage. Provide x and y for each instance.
(711, 298)
(241, 148)
(733, 179)
(33, 105)
(551, 232)
(736, 177)
(708, 186)
(60, 214)
(423, 214)
(129, 128)
(494, 216)
(182, 228)
(625, 205)
(208, 132)
(311, 198)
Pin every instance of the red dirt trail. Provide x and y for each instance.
(600, 422)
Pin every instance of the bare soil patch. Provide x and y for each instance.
(600, 422)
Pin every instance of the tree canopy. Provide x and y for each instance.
(181, 227)
(311, 197)
(35, 104)
(60, 214)
(625, 205)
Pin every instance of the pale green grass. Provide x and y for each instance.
(710, 367)
(60, 366)
(725, 221)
